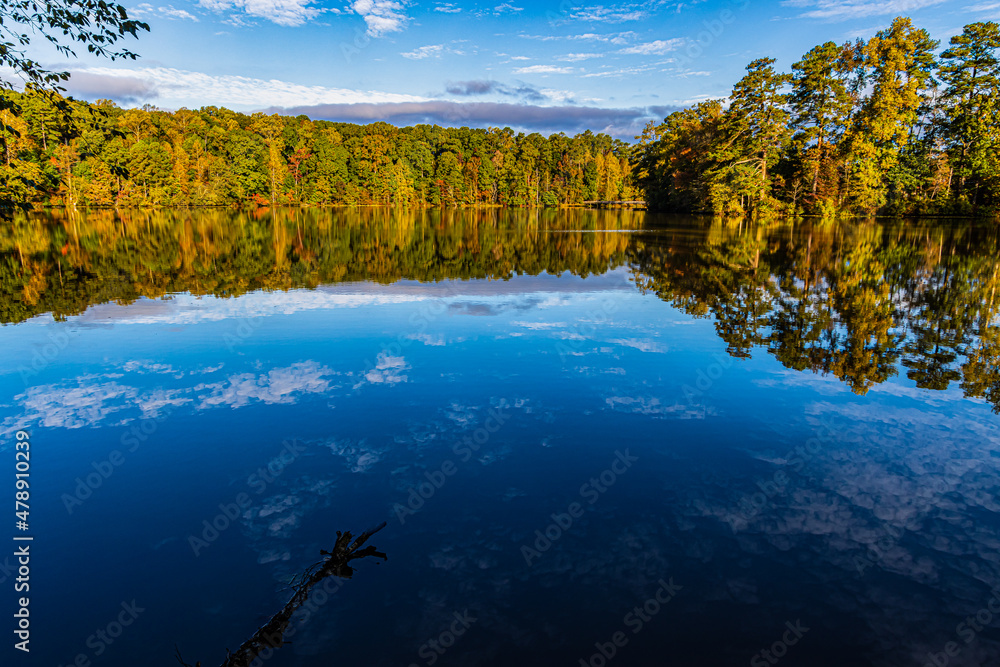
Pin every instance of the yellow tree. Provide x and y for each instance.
(602, 176)
(19, 179)
(137, 124)
(271, 129)
(898, 63)
(183, 127)
(65, 158)
(613, 177)
(402, 185)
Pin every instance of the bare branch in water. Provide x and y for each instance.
(271, 634)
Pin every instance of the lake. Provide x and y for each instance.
(596, 437)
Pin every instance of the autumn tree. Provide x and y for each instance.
(899, 64)
(970, 72)
(757, 131)
(671, 163)
(821, 107)
(271, 129)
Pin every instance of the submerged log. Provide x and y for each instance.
(602, 203)
(271, 634)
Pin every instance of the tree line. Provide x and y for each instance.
(879, 126)
(64, 152)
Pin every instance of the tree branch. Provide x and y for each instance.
(337, 564)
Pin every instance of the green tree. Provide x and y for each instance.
(970, 71)
(821, 107)
(271, 129)
(672, 159)
(899, 64)
(757, 131)
(246, 171)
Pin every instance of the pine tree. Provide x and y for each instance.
(970, 71)
(756, 126)
(821, 107)
(899, 63)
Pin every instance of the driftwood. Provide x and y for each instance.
(622, 203)
(271, 634)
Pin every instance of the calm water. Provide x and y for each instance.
(786, 433)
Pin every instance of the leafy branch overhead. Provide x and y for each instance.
(66, 25)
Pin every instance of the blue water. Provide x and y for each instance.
(769, 509)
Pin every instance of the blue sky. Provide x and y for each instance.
(556, 65)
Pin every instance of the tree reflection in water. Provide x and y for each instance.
(859, 300)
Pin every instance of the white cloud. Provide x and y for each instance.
(539, 326)
(145, 9)
(620, 72)
(641, 344)
(577, 57)
(659, 47)
(843, 10)
(387, 370)
(381, 16)
(147, 367)
(650, 405)
(73, 407)
(691, 101)
(567, 96)
(151, 404)
(177, 88)
(170, 12)
(188, 309)
(280, 385)
(360, 456)
(983, 7)
(281, 12)
(428, 339)
(613, 38)
(142, 367)
(447, 8)
(543, 69)
(90, 400)
(422, 52)
(507, 8)
(610, 38)
(610, 14)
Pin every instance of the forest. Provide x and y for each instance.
(884, 126)
(69, 153)
(892, 125)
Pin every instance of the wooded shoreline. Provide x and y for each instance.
(884, 127)
(880, 126)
